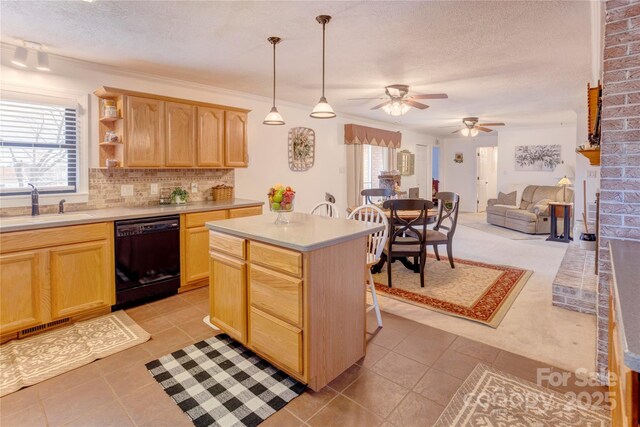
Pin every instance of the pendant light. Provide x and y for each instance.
(274, 117)
(323, 110)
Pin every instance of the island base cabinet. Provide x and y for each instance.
(228, 295)
(276, 339)
(305, 312)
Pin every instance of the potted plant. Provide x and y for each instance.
(179, 196)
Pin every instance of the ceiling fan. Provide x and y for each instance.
(472, 127)
(398, 102)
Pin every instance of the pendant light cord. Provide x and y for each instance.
(323, 43)
(274, 75)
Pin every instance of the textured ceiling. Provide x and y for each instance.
(524, 63)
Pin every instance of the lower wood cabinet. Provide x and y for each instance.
(81, 278)
(56, 273)
(228, 295)
(22, 277)
(276, 339)
(194, 249)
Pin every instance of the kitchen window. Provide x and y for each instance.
(39, 144)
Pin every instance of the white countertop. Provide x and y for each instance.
(304, 233)
(28, 222)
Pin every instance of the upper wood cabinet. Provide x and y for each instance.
(144, 132)
(210, 145)
(180, 134)
(235, 153)
(159, 131)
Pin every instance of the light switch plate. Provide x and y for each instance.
(153, 189)
(126, 190)
(194, 187)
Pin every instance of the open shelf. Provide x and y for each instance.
(592, 155)
(109, 119)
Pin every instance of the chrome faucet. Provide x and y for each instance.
(61, 206)
(35, 207)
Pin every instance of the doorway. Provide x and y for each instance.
(486, 176)
(423, 171)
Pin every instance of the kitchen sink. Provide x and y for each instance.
(16, 220)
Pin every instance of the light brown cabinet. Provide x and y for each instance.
(195, 243)
(180, 134)
(56, 273)
(144, 132)
(228, 295)
(80, 278)
(298, 307)
(22, 275)
(160, 131)
(235, 153)
(210, 146)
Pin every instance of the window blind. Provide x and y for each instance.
(39, 146)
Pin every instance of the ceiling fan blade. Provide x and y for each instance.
(483, 129)
(491, 124)
(381, 105)
(416, 104)
(456, 131)
(359, 99)
(430, 96)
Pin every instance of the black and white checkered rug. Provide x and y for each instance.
(218, 382)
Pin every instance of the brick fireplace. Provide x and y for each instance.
(620, 149)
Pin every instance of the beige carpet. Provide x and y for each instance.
(31, 360)
(503, 232)
(490, 397)
(473, 290)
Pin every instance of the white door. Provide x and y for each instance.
(486, 177)
(423, 171)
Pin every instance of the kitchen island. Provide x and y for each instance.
(293, 293)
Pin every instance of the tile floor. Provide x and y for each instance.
(410, 373)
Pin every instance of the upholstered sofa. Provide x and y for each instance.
(531, 215)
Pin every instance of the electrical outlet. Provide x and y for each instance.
(153, 189)
(592, 174)
(126, 190)
(194, 187)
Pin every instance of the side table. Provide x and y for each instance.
(560, 210)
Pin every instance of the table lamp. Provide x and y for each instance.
(564, 182)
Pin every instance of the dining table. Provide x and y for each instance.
(408, 215)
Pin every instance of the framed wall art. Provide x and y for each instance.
(302, 149)
(542, 158)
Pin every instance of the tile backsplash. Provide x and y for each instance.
(105, 186)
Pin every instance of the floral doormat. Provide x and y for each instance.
(490, 397)
(34, 359)
(473, 290)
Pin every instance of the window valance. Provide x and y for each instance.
(364, 135)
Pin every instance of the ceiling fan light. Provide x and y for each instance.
(323, 110)
(465, 132)
(43, 61)
(273, 118)
(20, 57)
(474, 132)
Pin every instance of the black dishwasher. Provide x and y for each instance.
(147, 254)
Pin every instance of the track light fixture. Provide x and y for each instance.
(20, 57)
(22, 52)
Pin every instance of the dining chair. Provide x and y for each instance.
(376, 242)
(448, 204)
(376, 192)
(407, 236)
(327, 209)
